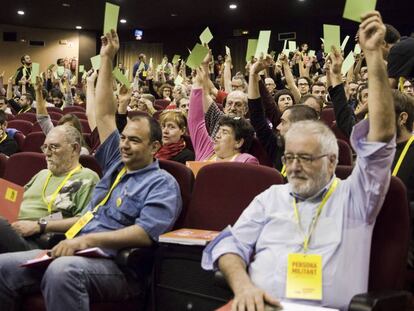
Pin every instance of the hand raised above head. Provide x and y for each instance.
(261, 64)
(371, 31)
(110, 44)
(336, 60)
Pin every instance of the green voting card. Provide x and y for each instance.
(35, 72)
(354, 9)
(262, 43)
(111, 17)
(348, 62)
(357, 49)
(197, 55)
(119, 76)
(292, 46)
(81, 68)
(332, 36)
(228, 51)
(176, 58)
(343, 45)
(311, 53)
(96, 62)
(251, 49)
(179, 80)
(60, 71)
(206, 36)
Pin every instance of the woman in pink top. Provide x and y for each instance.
(233, 138)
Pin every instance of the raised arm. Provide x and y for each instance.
(40, 101)
(104, 97)
(90, 99)
(380, 101)
(9, 91)
(227, 74)
(289, 77)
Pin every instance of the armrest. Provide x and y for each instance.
(381, 300)
(140, 260)
(49, 239)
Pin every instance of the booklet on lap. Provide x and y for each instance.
(43, 259)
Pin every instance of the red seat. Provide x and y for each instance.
(55, 115)
(36, 126)
(80, 114)
(345, 153)
(185, 179)
(54, 109)
(23, 126)
(3, 164)
(85, 126)
(71, 109)
(33, 142)
(339, 134)
(223, 190)
(162, 103)
(9, 117)
(328, 116)
(91, 163)
(19, 138)
(28, 116)
(22, 166)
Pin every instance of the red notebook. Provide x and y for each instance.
(188, 236)
(11, 196)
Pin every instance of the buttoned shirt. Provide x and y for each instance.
(268, 231)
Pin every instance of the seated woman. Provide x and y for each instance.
(46, 123)
(284, 99)
(174, 126)
(232, 140)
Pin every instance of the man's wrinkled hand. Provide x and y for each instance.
(26, 228)
(251, 298)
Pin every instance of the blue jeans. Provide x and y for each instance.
(68, 283)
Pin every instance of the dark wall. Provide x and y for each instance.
(87, 47)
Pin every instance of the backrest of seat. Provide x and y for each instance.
(21, 167)
(28, 116)
(3, 164)
(390, 240)
(162, 102)
(328, 116)
(23, 126)
(185, 179)
(54, 109)
(85, 126)
(345, 153)
(55, 115)
(343, 171)
(91, 163)
(33, 142)
(70, 109)
(223, 190)
(80, 114)
(339, 134)
(19, 138)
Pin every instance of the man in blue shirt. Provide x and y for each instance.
(131, 206)
(299, 241)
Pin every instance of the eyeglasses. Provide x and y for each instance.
(288, 158)
(51, 147)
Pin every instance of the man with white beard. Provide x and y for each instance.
(298, 241)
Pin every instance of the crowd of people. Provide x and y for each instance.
(212, 114)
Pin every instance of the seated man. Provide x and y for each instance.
(329, 220)
(131, 206)
(8, 145)
(64, 189)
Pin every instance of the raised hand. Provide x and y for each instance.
(371, 31)
(110, 44)
(336, 61)
(261, 64)
(38, 86)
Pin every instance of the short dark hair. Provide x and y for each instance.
(317, 84)
(56, 93)
(29, 97)
(307, 80)
(242, 130)
(154, 127)
(284, 92)
(304, 98)
(22, 59)
(301, 113)
(392, 35)
(362, 87)
(3, 117)
(404, 103)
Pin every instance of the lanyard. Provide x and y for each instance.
(283, 171)
(402, 156)
(23, 111)
(315, 219)
(3, 138)
(116, 182)
(54, 194)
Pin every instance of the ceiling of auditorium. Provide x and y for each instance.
(179, 14)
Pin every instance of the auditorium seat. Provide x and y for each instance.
(85, 126)
(9, 117)
(33, 142)
(339, 134)
(19, 138)
(345, 153)
(22, 166)
(55, 115)
(3, 164)
(28, 116)
(328, 116)
(162, 103)
(23, 126)
(257, 150)
(71, 109)
(54, 109)
(91, 163)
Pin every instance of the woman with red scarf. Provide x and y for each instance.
(174, 125)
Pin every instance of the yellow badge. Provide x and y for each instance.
(77, 226)
(11, 194)
(144, 73)
(304, 277)
(118, 202)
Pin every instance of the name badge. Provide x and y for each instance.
(77, 226)
(54, 216)
(304, 276)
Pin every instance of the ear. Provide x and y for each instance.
(183, 131)
(155, 146)
(239, 143)
(403, 118)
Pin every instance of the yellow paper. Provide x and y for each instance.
(11, 194)
(304, 277)
(74, 230)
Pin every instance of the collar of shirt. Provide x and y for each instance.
(316, 197)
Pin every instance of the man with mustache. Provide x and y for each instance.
(313, 225)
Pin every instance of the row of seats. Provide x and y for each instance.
(214, 200)
(27, 127)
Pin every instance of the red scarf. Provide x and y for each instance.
(169, 151)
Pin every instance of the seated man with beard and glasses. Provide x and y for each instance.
(316, 224)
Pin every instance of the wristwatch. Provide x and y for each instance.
(42, 224)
